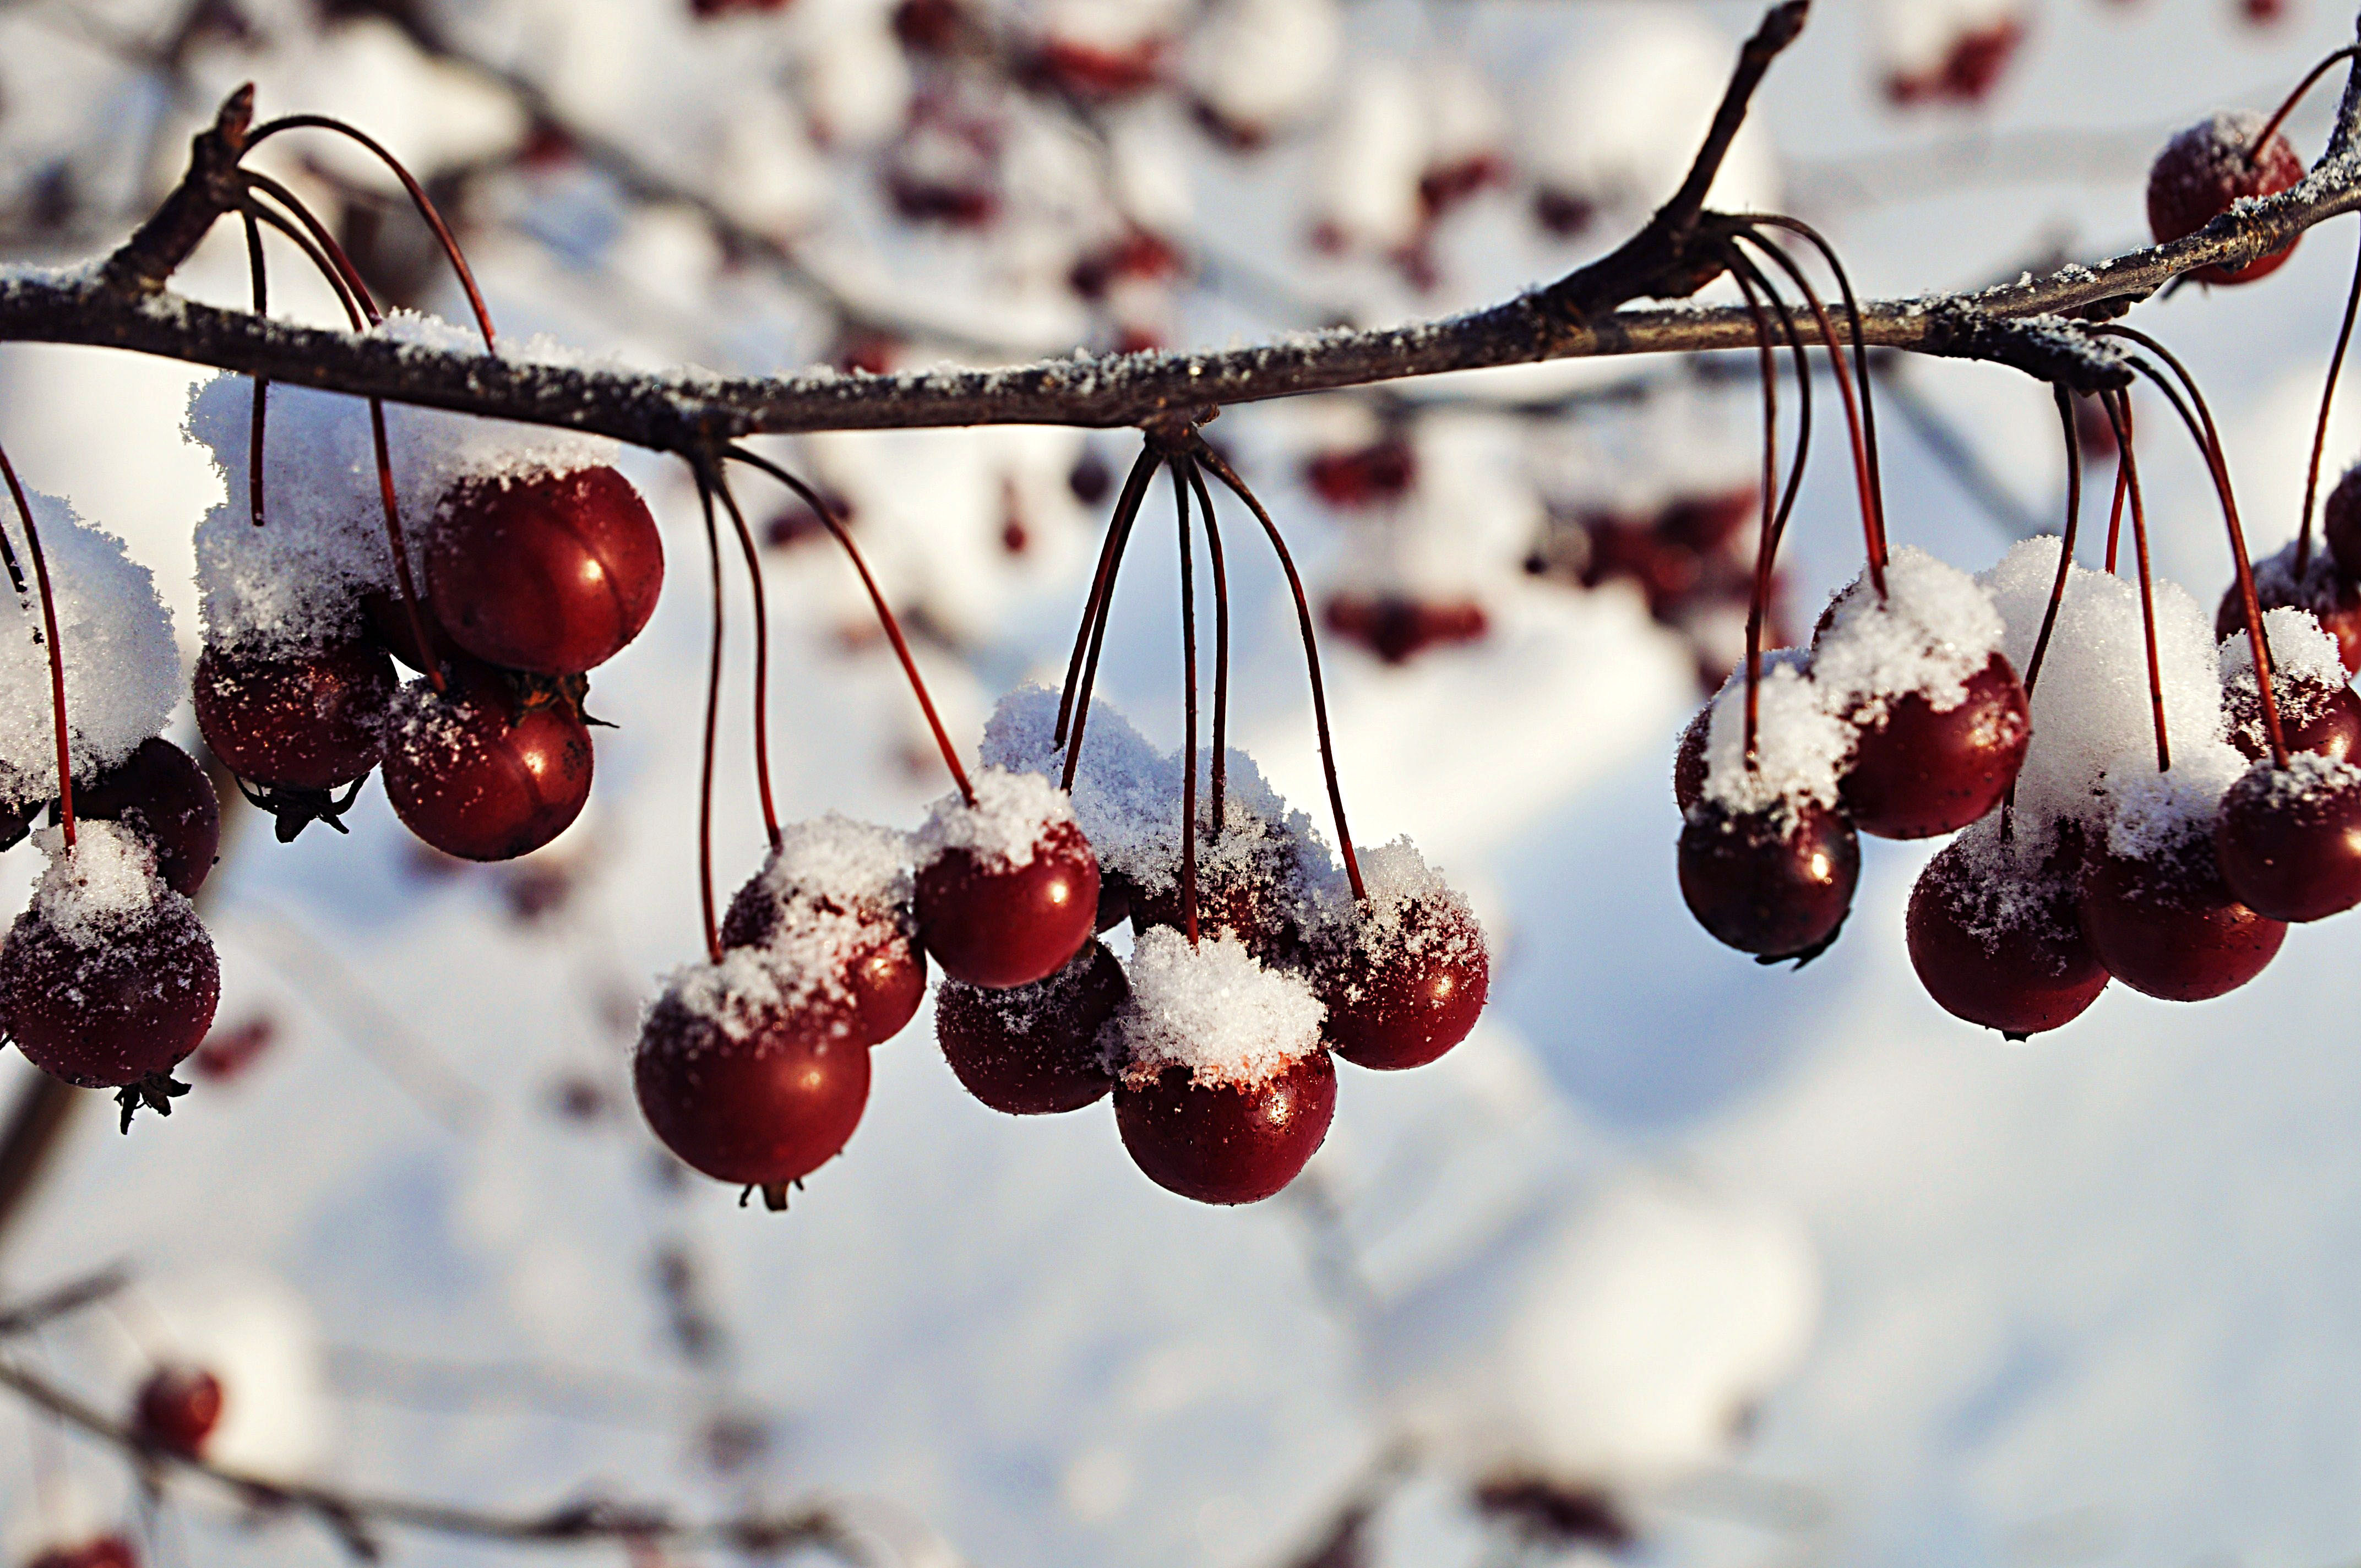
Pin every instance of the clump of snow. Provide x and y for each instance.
(2091, 712)
(1212, 1008)
(839, 859)
(1800, 745)
(737, 1000)
(1996, 887)
(1930, 634)
(122, 666)
(2155, 815)
(1012, 813)
(106, 882)
(2310, 778)
(1409, 908)
(2300, 648)
(1371, 157)
(297, 580)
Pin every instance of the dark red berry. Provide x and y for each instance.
(1032, 1050)
(1227, 1143)
(1688, 760)
(1398, 628)
(2000, 945)
(1918, 771)
(2340, 521)
(2290, 838)
(763, 1095)
(104, 1004)
(2168, 927)
(310, 719)
(2333, 597)
(1406, 982)
(161, 793)
(884, 968)
(388, 623)
(1552, 1514)
(1367, 476)
(489, 769)
(178, 1409)
(2207, 168)
(2313, 716)
(995, 924)
(1968, 70)
(552, 574)
(1774, 883)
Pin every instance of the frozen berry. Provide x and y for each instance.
(1246, 885)
(1032, 1050)
(1405, 979)
(2340, 521)
(1774, 883)
(1007, 886)
(310, 719)
(387, 620)
(1228, 1143)
(553, 574)
(2290, 838)
(491, 768)
(749, 1091)
(1918, 771)
(884, 969)
(161, 791)
(178, 1409)
(2333, 597)
(106, 1002)
(2002, 945)
(2313, 716)
(2206, 170)
(1688, 760)
(2167, 925)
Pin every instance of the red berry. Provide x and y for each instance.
(749, 1091)
(883, 969)
(552, 574)
(387, 620)
(1398, 628)
(2313, 716)
(2333, 597)
(490, 768)
(1367, 476)
(1776, 882)
(161, 793)
(1248, 884)
(309, 719)
(1688, 760)
(1405, 980)
(997, 919)
(178, 1409)
(1917, 771)
(2168, 927)
(1227, 1143)
(2290, 838)
(102, 1551)
(2001, 944)
(2206, 169)
(1032, 1050)
(106, 1004)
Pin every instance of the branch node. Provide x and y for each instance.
(210, 188)
(2049, 348)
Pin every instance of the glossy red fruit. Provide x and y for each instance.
(552, 574)
(178, 1409)
(1032, 1050)
(490, 768)
(101, 1552)
(312, 720)
(2205, 170)
(1776, 884)
(109, 1008)
(2005, 951)
(993, 924)
(762, 1102)
(2168, 925)
(2340, 521)
(2290, 838)
(2332, 597)
(2314, 717)
(1407, 986)
(1227, 1143)
(1917, 771)
(387, 620)
(160, 792)
(885, 971)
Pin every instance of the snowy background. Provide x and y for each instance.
(1797, 1267)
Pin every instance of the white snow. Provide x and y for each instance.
(1210, 1007)
(1004, 827)
(1933, 629)
(107, 881)
(1800, 743)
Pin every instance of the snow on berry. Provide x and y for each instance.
(1125, 791)
(107, 881)
(739, 997)
(122, 667)
(1012, 813)
(1800, 745)
(297, 580)
(2302, 648)
(2008, 884)
(1400, 883)
(1210, 1007)
(1933, 629)
(837, 858)
(2091, 717)
(2308, 681)
(833, 894)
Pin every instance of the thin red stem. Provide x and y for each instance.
(2147, 592)
(2262, 138)
(2320, 429)
(1861, 377)
(762, 659)
(1221, 644)
(355, 292)
(417, 195)
(713, 728)
(1082, 669)
(1238, 487)
(827, 514)
(1189, 708)
(1777, 307)
(2122, 484)
(2065, 545)
(1766, 541)
(57, 649)
(261, 383)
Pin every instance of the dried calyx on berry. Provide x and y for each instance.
(2317, 708)
(832, 908)
(1007, 885)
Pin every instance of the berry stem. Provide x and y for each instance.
(762, 659)
(1189, 708)
(2065, 544)
(1860, 361)
(2115, 411)
(713, 728)
(417, 195)
(1802, 413)
(1765, 540)
(1094, 609)
(2262, 138)
(2319, 430)
(57, 650)
(827, 514)
(1238, 487)
(2123, 483)
(1220, 645)
(261, 383)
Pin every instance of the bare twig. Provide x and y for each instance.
(69, 1298)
